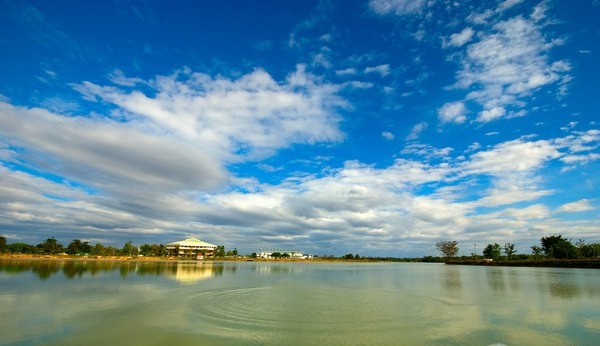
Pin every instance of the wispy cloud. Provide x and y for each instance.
(507, 64)
(397, 7)
(576, 207)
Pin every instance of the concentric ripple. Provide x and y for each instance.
(270, 315)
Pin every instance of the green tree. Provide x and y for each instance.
(3, 246)
(276, 254)
(219, 251)
(555, 246)
(77, 247)
(22, 248)
(98, 250)
(50, 246)
(348, 256)
(492, 251)
(586, 250)
(128, 249)
(448, 248)
(146, 250)
(536, 251)
(509, 250)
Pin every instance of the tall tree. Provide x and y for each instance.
(128, 249)
(509, 250)
(449, 248)
(3, 246)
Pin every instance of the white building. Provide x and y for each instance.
(191, 247)
(295, 254)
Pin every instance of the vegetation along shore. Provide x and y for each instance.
(553, 251)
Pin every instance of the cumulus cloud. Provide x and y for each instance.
(491, 114)
(453, 112)
(232, 119)
(512, 156)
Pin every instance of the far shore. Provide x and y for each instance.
(570, 263)
(164, 259)
(564, 263)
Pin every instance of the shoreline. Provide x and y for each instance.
(541, 263)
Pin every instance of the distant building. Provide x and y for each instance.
(191, 247)
(267, 253)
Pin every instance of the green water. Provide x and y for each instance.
(259, 303)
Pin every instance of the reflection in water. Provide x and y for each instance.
(452, 281)
(293, 304)
(495, 278)
(180, 271)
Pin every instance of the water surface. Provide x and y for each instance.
(261, 303)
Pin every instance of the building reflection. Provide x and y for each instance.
(188, 271)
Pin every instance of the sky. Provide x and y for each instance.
(374, 127)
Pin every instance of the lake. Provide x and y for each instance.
(296, 303)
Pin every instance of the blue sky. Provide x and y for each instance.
(374, 127)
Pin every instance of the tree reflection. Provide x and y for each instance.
(71, 269)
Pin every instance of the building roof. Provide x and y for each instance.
(191, 242)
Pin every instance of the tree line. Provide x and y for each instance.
(77, 247)
(551, 246)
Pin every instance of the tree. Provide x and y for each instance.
(77, 247)
(219, 251)
(536, 251)
(448, 248)
(586, 250)
(21, 248)
(555, 246)
(348, 256)
(128, 249)
(50, 246)
(492, 251)
(3, 246)
(509, 250)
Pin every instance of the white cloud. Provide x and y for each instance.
(347, 71)
(382, 70)
(491, 114)
(453, 112)
(387, 135)
(233, 120)
(397, 7)
(89, 149)
(512, 157)
(534, 212)
(575, 207)
(459, 39)
(506, 65)
(506, 4)
(416, 131)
